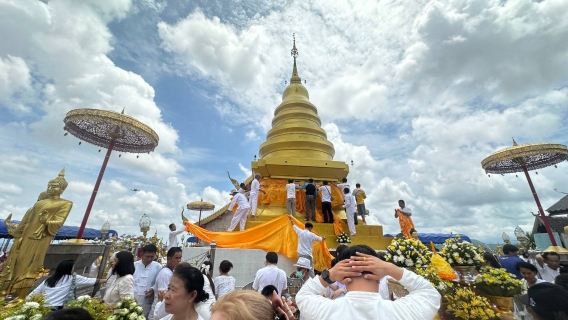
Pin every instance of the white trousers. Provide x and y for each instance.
(240, 216)
(350, 222)
(253, 201)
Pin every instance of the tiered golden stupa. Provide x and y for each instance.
(297, 148)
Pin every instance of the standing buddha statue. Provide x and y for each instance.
(32, 237)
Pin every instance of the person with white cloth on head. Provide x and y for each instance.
(146, 270)
(306, 238)
(240, 217)
(173, 240)
(350, 211)
(253, 197)
(360, 270)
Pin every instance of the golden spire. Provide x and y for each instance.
(514, 143)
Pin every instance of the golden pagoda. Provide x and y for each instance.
(297, 148)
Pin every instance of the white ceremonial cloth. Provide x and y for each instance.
(325, 193)
(144, 278)
(173, 240)
(305, 241)
(291, 191)
(56, 296)
(267, 276)
(422, 302)
(407, 210)
(241, 200)
(162, 282)
(546, 273)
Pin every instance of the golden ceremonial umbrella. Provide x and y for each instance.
(110, 130)
(525, 157)
(200, 206)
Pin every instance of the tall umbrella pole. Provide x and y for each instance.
(95, 190)
(540, 211)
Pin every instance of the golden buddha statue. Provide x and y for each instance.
(33, 236)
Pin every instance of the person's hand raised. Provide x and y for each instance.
(343, 272)
(378, 268)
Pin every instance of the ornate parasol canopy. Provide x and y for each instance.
(100, 127)
(110, 130)
(525, 157)
(200, 206)
(533, 156)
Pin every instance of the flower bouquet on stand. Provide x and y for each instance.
(97, 309)
(408, 253)
(33, 309)
(127, 309)
(343, 238)
(465, 304)
(499, 286)
(462, 256)
(429, 273)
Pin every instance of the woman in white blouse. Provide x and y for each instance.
(184, 291)
(123, 286)
(57, 287)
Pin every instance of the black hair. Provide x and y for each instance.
(325, 182)
(358, 185)
(149, 248)
(311, 180)
(192, 281)
(243, 185)
(171, 225)
(267, 291)
(124, 265)
(172, 251)
(526, 265)
(340, 249)
(382, 255)
(493, 262)
(225, 266)
(208, 274)
(352, 251)
(345, 190)
(563, 268)
(64, 268)
(509, 248)
(412, 231)
(272, 257)
(344, 180)
(334, 262)
(290, 180)
(69, 314)
(309, 225)
(548, 254)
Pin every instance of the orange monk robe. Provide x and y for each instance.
(406, 224)
(275, 235)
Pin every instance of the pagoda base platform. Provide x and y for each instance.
(371, 235)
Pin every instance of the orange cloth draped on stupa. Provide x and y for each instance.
(276, 194)
(406, 224)
(275, 235)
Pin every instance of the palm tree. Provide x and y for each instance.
(530, 244)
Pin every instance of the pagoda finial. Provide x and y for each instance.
(514, 142)
(294, 51)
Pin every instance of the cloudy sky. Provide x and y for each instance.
(416, 93)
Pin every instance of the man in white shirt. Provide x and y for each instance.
(306, 238)
(291, 198)
(360, 270)
(253, 197)
(241, 215)
(164, 276)
(173, 240)
(326, 202)
(145, 272)
(547, 265)
(271, 274)
(350, 211)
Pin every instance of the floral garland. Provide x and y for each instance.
(408, 253)
(127, 309)
(343, 238)
(467, 305)
(498, 282)
(97, 309)
(461, 253)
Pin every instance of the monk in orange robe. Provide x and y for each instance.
(403, 214)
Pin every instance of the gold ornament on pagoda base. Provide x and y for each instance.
(32, 237)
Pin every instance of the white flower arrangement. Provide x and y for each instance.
(127, 309)
(461, 253)
(343, 238)
(408, 253)
(34, 309)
